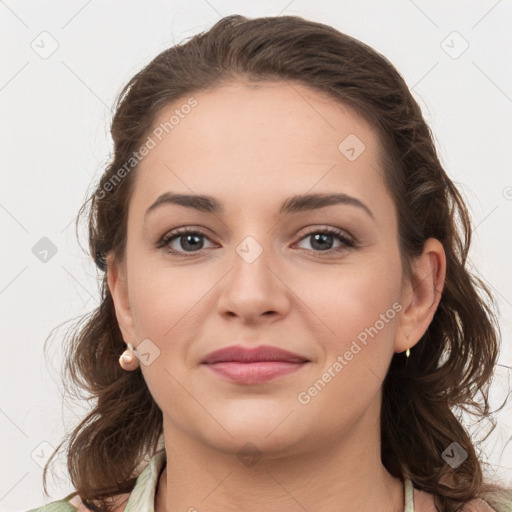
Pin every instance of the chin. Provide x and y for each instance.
(269, 428)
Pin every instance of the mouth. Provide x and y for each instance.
(253, 365)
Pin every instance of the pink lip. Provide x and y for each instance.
(253, 373)
(261, 353)
(253, 365)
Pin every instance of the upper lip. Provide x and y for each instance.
(243, 354)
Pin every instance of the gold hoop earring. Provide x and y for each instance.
(127, 359)
(408, 353)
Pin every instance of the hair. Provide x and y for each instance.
(449, 369)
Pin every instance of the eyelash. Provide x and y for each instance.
(172, 235)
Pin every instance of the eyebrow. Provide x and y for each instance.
(294, 204)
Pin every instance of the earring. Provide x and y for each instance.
(127, 359)
(408, 353)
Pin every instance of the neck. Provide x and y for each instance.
(344, 474)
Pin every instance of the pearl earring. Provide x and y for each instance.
(127, 359)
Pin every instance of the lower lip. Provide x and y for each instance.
(254, 373)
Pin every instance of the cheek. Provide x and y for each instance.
(359, 312)
(163, 300)
(166, 303)
(356, 348)
(354, 299)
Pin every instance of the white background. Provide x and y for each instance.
(55, 116)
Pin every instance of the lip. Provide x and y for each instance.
(253, 365)
(253, 373)
(262, 353)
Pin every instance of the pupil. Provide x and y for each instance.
(323, 238)
(192, 246)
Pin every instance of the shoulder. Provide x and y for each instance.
(75, 505)
(477, 505)
(424, 502)
(56, 506)
(142, 493)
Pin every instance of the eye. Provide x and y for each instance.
(189, 240)
(322, 240)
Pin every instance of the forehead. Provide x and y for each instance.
(251, 144)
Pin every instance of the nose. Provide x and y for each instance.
(255, 289)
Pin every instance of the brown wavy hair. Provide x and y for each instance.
(449, 367)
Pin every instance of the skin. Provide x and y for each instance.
(251, 147)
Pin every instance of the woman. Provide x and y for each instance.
(284, 276)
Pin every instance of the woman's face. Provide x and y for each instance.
(262, 270)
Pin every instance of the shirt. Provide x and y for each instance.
(142, 497)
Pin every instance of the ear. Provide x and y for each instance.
(117, 284)
(421, 294)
